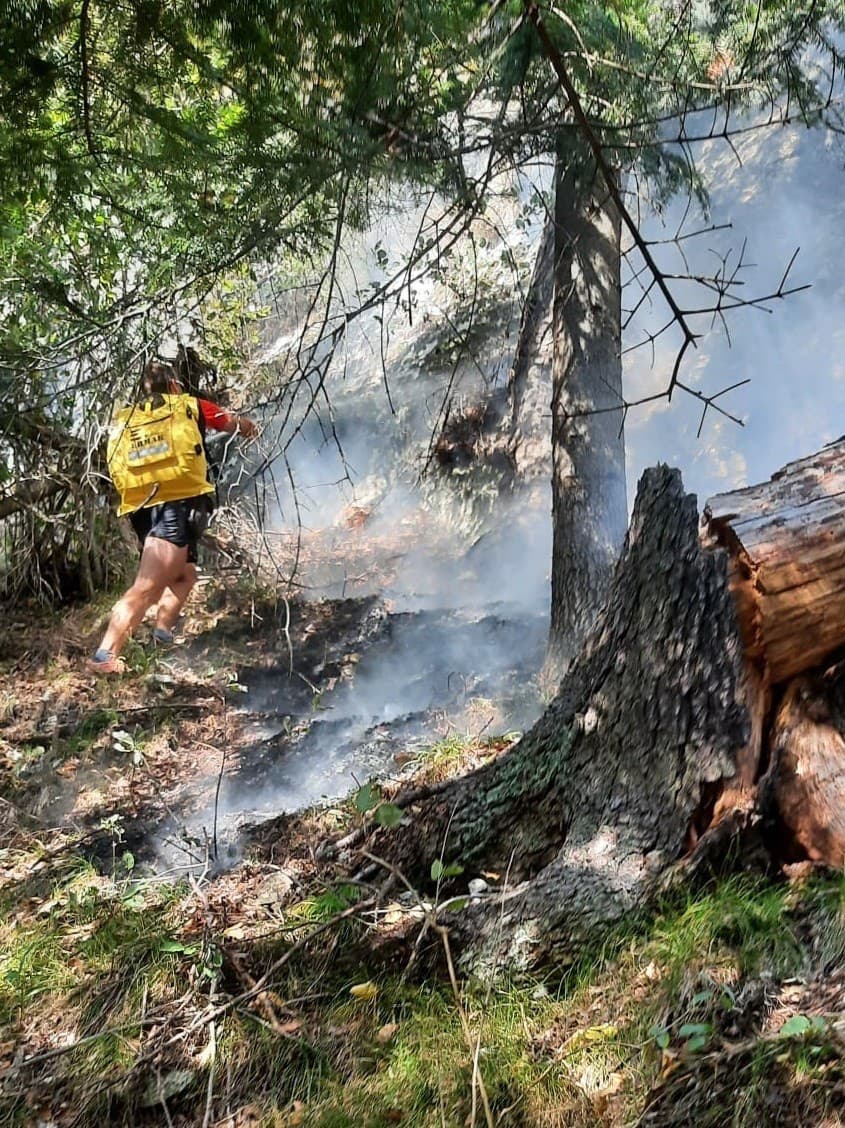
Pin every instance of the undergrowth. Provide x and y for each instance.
(123, 1002)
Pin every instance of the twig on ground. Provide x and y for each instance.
(262, 983)
(217, 802)
(211, 1054)
(262, 1000)
(59, 1051)
(163, 1103)
(477, 1079)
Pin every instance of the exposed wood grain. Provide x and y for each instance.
(807, 779)
(786, 538)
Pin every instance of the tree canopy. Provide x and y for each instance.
(150, 147)
(153, 150)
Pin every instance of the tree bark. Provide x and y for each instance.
(588, 454)
(582, 817)
(529, 445)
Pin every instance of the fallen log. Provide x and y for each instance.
(785, 540)
(786, 544)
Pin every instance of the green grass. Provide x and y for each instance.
(746, 918)
(550, 1052)
(104, 955)
(404, 1054)
(91, 726)
(34, 965)
(90, 933)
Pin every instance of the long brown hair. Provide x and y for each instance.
(156, 377)
(195, 374)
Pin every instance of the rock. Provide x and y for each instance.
(274, 890)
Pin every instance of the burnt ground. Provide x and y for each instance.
(267, 706)
(336, 689)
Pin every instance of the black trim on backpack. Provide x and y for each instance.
(213, 468)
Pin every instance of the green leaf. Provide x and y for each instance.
(388, 814)
(366, 798)
(795, 1027)
(128, 860)
(691, 1029)
(171, 945)
(455, 904)
(696, 1043)
(439, 870)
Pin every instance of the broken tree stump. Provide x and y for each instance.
(579, 820)
(690, 711)
(785, 540)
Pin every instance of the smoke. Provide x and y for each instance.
(460, 569)
(785, 196)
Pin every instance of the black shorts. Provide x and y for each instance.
(178, 522)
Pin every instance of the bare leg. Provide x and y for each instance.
(173, 597)
(162, 564)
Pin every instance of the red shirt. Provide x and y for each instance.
(214, 416)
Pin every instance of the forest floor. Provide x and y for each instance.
(160, 963)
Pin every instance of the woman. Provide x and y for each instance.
(168, 533)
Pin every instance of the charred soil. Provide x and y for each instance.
(173, 953)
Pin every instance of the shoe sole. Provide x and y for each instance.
(105, 668)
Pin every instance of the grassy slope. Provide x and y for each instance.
(119, 995)
(686, 1007)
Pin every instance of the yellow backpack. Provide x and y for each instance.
(155, 452)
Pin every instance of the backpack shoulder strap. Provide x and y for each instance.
(200, 417)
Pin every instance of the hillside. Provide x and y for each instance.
(163, 965)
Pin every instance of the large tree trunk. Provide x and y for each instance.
(588, 453)
(587, 811)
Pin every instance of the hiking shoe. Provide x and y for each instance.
(104, 662)
(162, 636)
